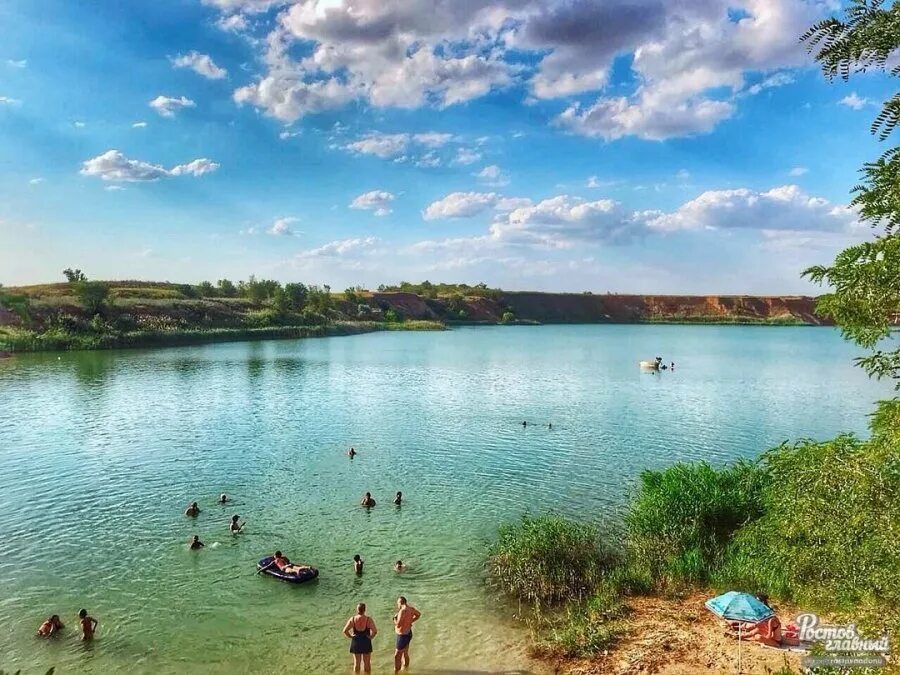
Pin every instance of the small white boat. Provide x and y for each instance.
(650, 365)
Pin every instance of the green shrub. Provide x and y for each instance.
(830, 534)
(263, 318)
(582, 629)
(547, 560)
(683, 518)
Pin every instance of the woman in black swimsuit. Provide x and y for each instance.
(361, 629)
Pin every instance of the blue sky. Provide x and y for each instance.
(623, 145)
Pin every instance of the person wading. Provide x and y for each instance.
(361, 629)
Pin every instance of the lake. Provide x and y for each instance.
(100, 453)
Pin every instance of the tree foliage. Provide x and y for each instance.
(865, 279)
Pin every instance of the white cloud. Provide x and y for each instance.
(855, 101)
(113, 188)
(466, 156)
(234, 23)
(115, 167)
(377, 201)
(339, 248)
(139, 125)
(595, 182)
(6, 100)
(798, 171)
(493, 175)
(167, 106)
(287, 133)
(776, 80)
(79, 125)
(385, 146)
(433, 139)
(461, 205)
(682, 175)
(248, 6)
(282, 227)
(17, 64)
(36, 181)
(781, 208)
(202, 64)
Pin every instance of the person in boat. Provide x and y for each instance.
(223, 498)
(399, 566)
(398, 500)
(193, 510)
(358, 564)
(361, 629)
(351, 453)
(196, 544)
(367, 501)
(285, 566)
(235, 526)
(405, 617)
(88, 625)
(50, 627)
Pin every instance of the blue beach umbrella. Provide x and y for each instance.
(739, 607)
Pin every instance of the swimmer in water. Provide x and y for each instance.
(236, 527)
(524, 424)
(50, 627)
(550, 425)
(358, 564)
(193, 510)
(196, 544)
(351, 453)
(223, 498)
(367, 501)
(88, 625)
(399, 566)
(398, 500)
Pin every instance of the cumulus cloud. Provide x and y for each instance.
(461, 205)
(782, 208)
(690, 59)
(167, 106)
(853, 100)
(233, 23)
(282, 227)
(202, 64)
(115, 167)
(492, 175)
(466, 156)
(385, 146)
(377, 201)
(339, 248)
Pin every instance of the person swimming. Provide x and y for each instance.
(223, 498)
(367, 501)
(358, 564)
(398, 500)
(524, 424)
(672, 366)
(193, 510)
(399, 566)
(50, 627)
(351, 453)
(236, 527)
(549, 425)
(88, 625)
(196, 544)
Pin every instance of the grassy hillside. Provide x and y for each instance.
(84, 314)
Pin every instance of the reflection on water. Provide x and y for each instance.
(101, 452)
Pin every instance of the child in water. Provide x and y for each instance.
(88, 625)
(192, 511)
(50, 627)
(235, 527)
(196, 544)
(358, 564)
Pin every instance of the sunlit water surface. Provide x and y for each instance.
(101, 452)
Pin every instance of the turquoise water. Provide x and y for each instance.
(100, 453)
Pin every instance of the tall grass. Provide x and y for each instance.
(546, 560)
(682, 518)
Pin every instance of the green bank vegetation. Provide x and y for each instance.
(86, 314)
(812, 523)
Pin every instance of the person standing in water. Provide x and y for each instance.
(361, 629)
(223, 498)
(358, 564)
(193, 510)
(236, 527)
(524, 424)
(196, 544)
(398, 500)
(88, 625)
(367, 501)
(351, 453)
(405, 617)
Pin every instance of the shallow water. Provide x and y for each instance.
(100, 453)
